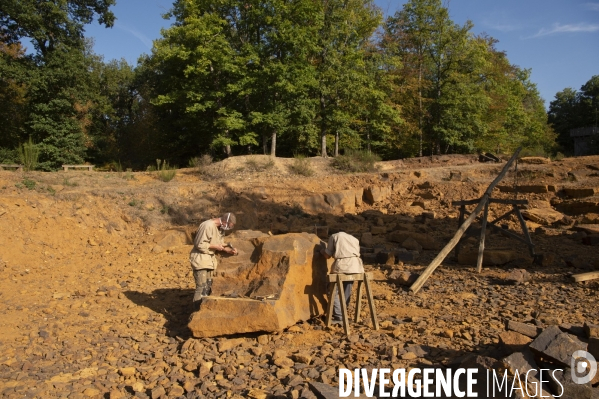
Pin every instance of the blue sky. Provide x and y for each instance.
(557, 39)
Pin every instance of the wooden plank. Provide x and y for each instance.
(585, 276)
(456, 238)
(359, 301)
(531, 246)
(481, 246)
(375, 322)
(331, 303)
(348, 277)
(492, 201)
(460, 221)
(341, 292)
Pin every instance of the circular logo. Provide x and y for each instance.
(581, 362)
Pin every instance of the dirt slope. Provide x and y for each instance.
(86, 294)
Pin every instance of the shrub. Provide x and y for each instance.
(533, 152)
(199, 162)
(29, 154)
(559, 156)
(301, 166)
(9, 156)
(30, 184)
(166, 172)
(255, 166)
(356, 161)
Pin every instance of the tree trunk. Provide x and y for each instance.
(323, 130)
(273, 144)
(336, 144)
(228, 150)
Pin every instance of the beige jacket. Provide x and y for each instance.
(201, 257)
(345, 249)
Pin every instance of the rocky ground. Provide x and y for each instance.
(96, 287)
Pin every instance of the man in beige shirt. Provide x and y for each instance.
(345, 249)
(208, 240)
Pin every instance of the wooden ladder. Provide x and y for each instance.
(363, 279)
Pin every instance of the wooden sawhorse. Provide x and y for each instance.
(363, 279)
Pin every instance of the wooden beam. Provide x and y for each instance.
(492, 201)
(481, 247)
(456, 238)
(585, 276)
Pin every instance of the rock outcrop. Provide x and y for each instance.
(274, 282)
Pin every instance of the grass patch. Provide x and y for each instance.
(356, 161)
(30, 184)
(255, 166)
(66, 182)
(166, 172)
(533, 152)
(301, 166)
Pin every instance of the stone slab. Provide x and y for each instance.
(553, 344)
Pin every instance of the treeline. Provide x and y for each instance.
(573, 109)
(282, 77)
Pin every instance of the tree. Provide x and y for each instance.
(343, 36)
(572, 109)
(13, 98)
(49, 23)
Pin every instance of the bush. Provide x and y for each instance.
(301, 166)
(30, 184)
(356, 161)
(9, 156)
(255, 166)
(166, 172)
(559, 156)
(29, 154)
(533, 152)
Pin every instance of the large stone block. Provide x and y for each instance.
(376, 194)
(580, 192)
(342, 201)
(274, 282)
(555, 345)
(316, 204)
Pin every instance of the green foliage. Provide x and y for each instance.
(8, 156)
(29, 155)
(30, 184)
(301, 166)
(234, 76)
(166, 173)
(538, 151)
(573, 109)
(51, 23)
(356, 161)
